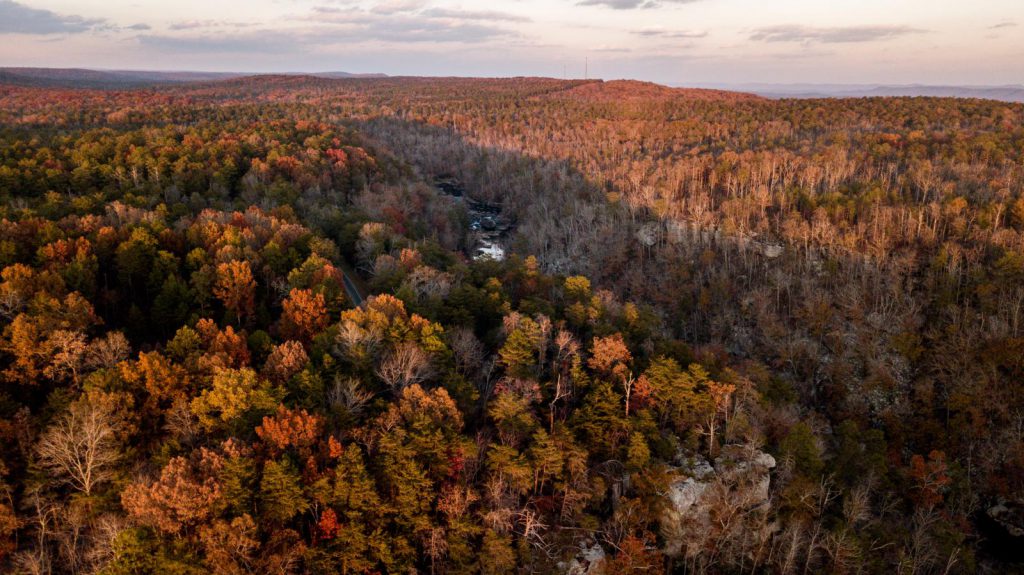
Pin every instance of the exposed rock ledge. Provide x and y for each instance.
(740, 475)
(589, 561)
(1009, 515)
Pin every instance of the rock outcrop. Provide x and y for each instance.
(589, 560)
(1009, 515)
(740, 479)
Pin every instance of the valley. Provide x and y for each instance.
(481, 325)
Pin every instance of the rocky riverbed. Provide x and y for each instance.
(490, 230)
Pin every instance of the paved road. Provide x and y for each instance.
(352, 290)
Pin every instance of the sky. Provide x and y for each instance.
(679, 42)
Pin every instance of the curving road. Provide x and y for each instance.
(351, 289)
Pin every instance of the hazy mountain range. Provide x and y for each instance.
(113, 79)
(116, 79)
(1010, 93)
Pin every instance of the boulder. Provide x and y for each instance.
(772, 251)
(649, 233)
(1009, 516)
(589, 560)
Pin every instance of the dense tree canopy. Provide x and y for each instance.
(190, 385)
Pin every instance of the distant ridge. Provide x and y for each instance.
(102, 79)
(1011, 93)
(595, 90)
(346, 75)
(633, 90)
(125, 79)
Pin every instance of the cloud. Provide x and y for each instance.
(137, 27)
(188, 25)
(388, 7)
(418, 30)
(435, 25)
(332, 15)
(631, 4)
(326, 28)
(672, 34)
(837, 35)
(473, 15)
(196, 24)
(265, 42)
(17, 18)
(1002, 25)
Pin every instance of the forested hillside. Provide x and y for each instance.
(243, 330)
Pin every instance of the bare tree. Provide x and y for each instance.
(567, 350)
(104, 533)
(181, 422)
(68, 354)
(11, 302)
(405, 365)
(109, 351)
(39, 560)
(435, 545)
(469, 352)
(356, 343)
(373, 237)
(427, 282)
(349, 394)
(81, 448)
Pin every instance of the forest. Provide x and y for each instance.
(243, 330)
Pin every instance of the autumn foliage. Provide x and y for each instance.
(695, 280)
